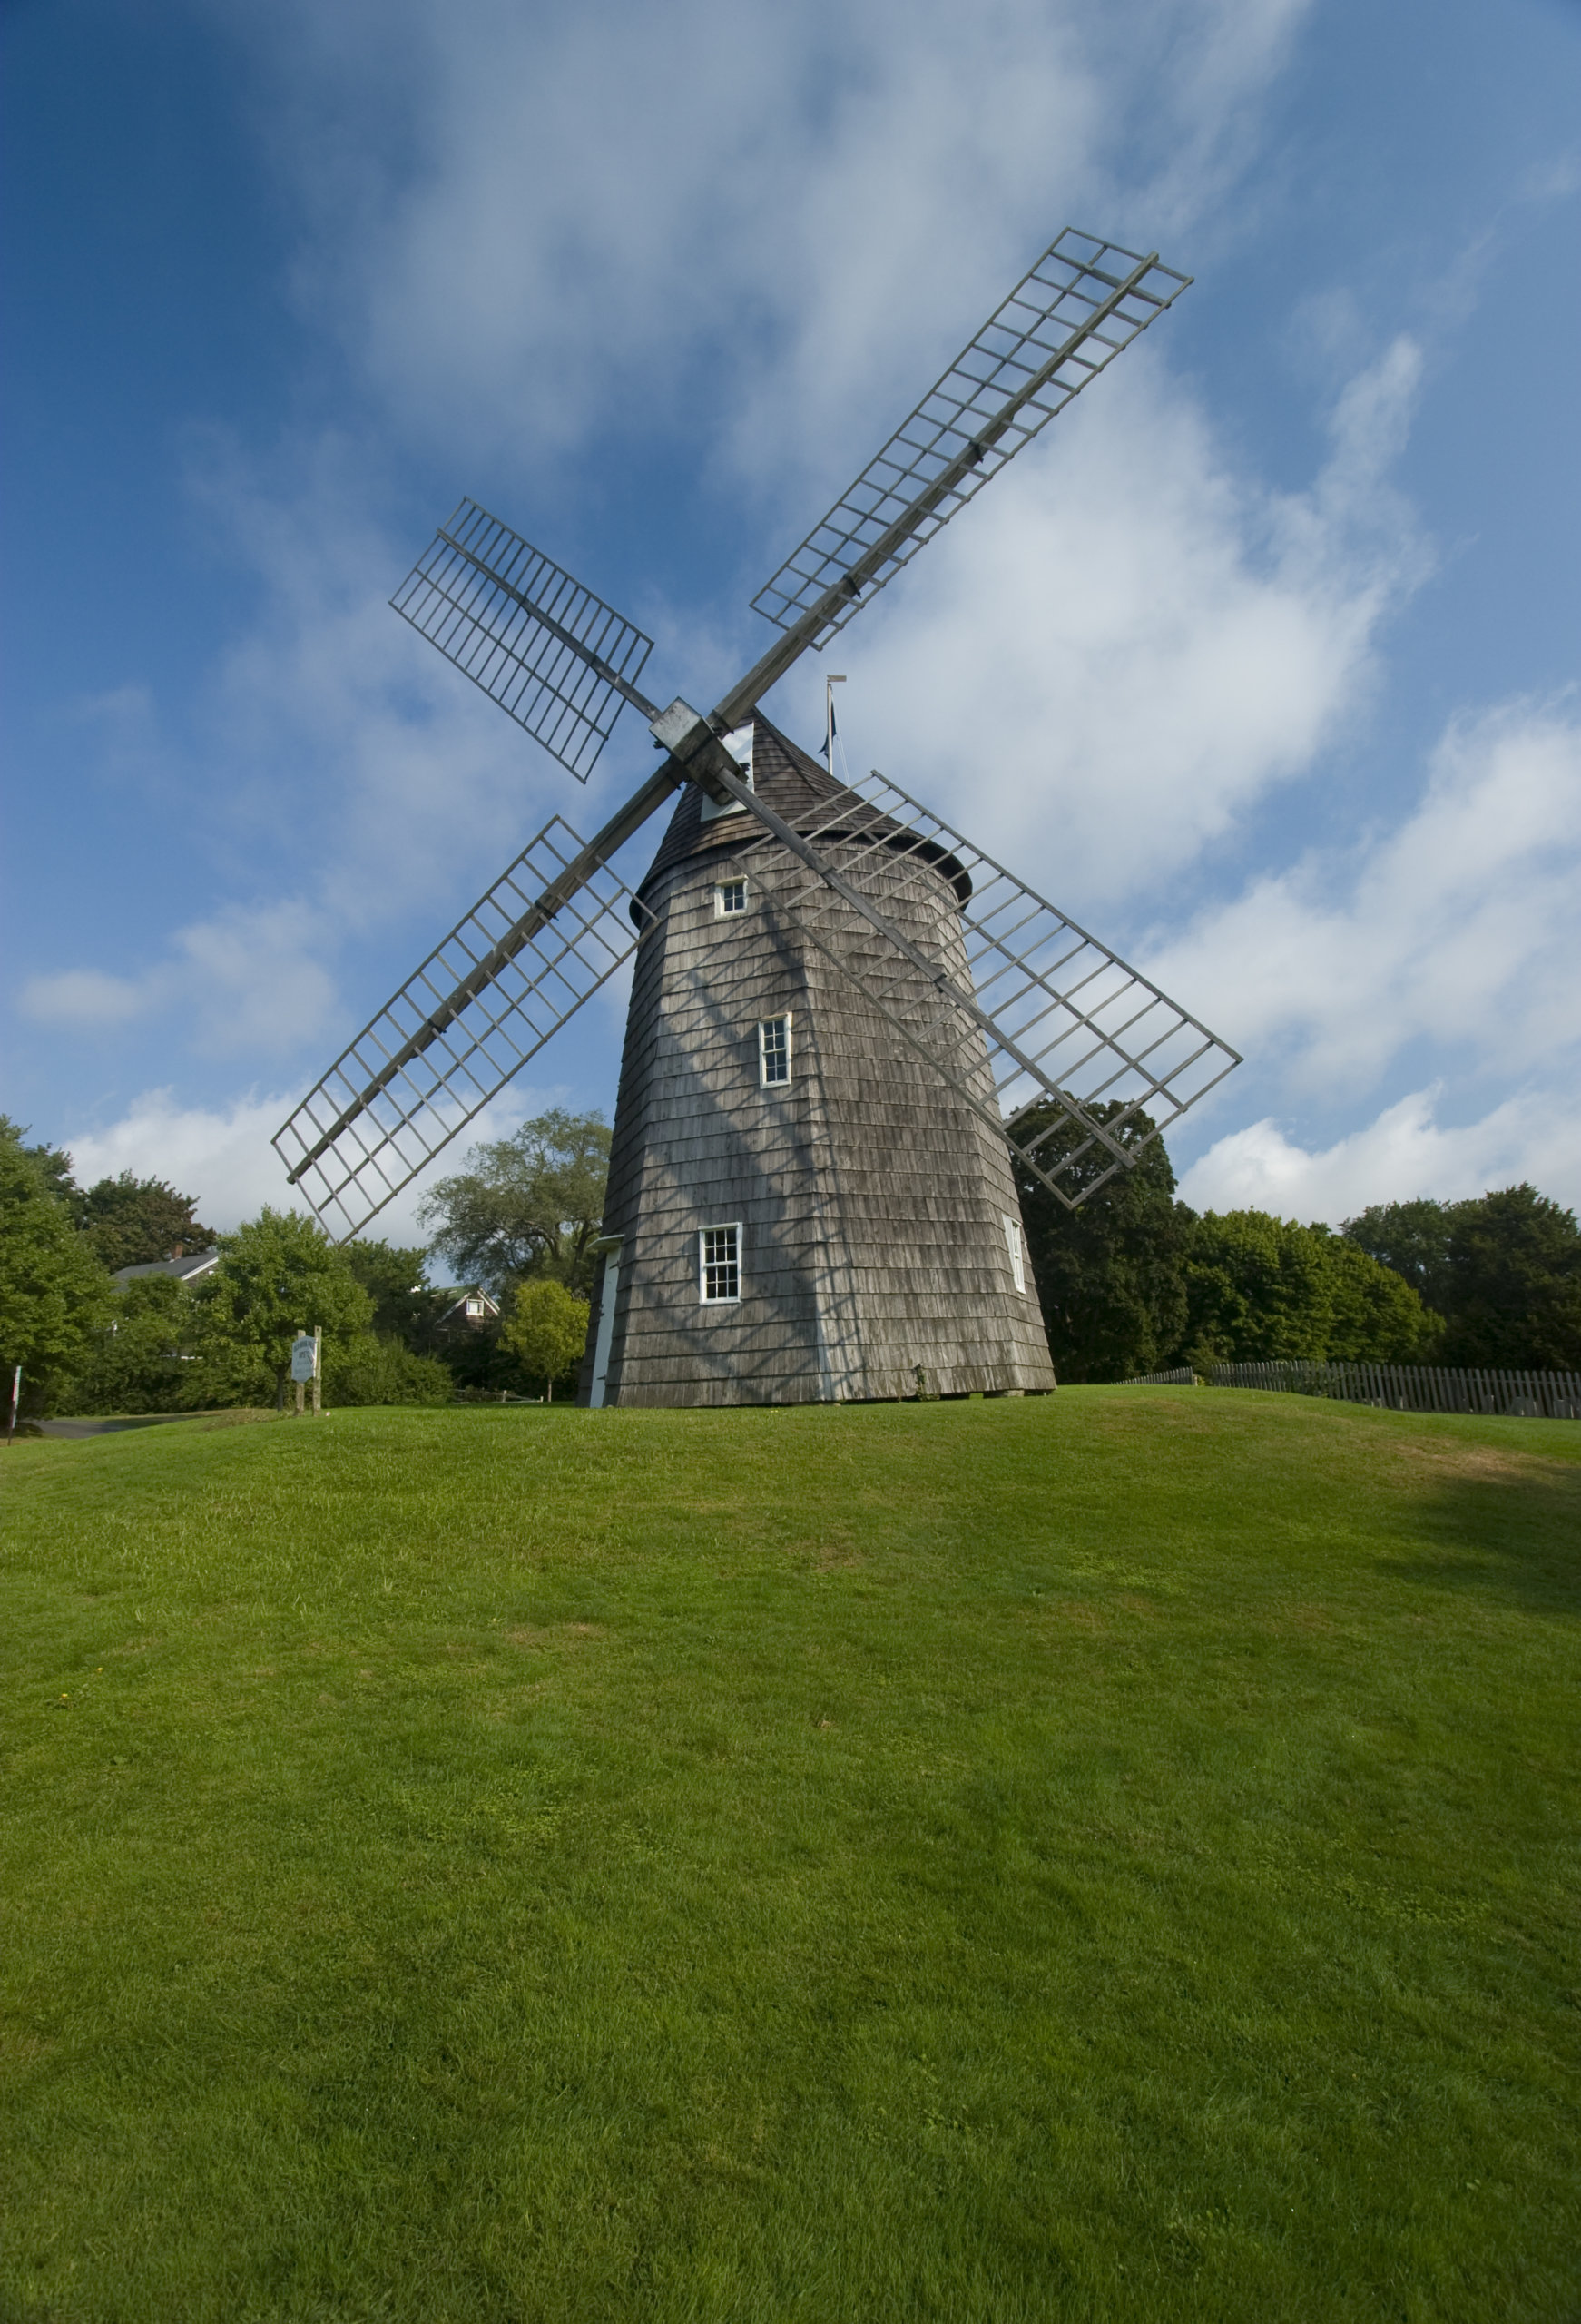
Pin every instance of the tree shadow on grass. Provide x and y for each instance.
(1505, 1526)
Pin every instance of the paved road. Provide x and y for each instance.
(105, 1427)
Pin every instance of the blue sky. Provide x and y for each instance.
(1262, 663)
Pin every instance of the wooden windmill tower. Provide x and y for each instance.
(844, 1015)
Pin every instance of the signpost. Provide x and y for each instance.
(307, 1351)
(16, 1392)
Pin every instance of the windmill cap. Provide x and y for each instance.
(803, 793)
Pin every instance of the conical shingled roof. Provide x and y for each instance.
(801, 791)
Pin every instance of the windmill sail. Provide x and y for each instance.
(1045, 1033)
(550, 931)
(1071, 1029)
(559, 659)
(1065, 321)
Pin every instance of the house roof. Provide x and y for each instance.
(185, 1269)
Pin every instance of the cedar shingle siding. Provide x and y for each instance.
(872, 1204)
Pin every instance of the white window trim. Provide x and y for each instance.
(717, 1226)
(720, 911)
(1017, 1250)
(781, 1017)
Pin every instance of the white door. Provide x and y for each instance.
(606, 1328)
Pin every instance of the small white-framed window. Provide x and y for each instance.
(475, 1306)
(719, 1265)
(774, 1051)
(1014, 1245)
(730, 896)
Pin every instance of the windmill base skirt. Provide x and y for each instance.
(898, 1389)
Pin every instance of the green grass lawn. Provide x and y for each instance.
(1104, 1856)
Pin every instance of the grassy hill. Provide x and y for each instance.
(1109, 1856)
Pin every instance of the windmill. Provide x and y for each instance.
(846, 1020)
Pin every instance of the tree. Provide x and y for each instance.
(139, 1360)
(1375, 1316)
(1514, 1293)
(1256, 1291)
(547, 1331)
(130, 1222)
(278, 1276)
(54, 1292)
(1412, 1239)
(525, 1206)
(1109, 1275)
(1261, 1289)
(396, 1281)
(53, 1164)
(1504, 1270)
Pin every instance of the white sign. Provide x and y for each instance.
(302, 1358)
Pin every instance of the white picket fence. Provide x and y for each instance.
(1411, 1387)
(1183, 1378)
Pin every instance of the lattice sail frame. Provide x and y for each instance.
(508, 976)
(465, 594)
(1064, 1021)
(1056, 300)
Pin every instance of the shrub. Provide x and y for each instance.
(375, 1371)
(140, 1360)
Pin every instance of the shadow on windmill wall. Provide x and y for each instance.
(756, 1173)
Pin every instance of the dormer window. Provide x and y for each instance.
(739, 746)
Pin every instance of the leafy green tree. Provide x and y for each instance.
(1375, 1316)
(53, 1165)
(1261, 1289)
(1257, 1291)
(278, 1276)
(1513, 1297)
(396, 1281)
(1109, 1275)
(1504, 1271)
(130, 1222)
(54, 1292)
(547, 1331)
(1412, 1239)
(525, 1206)
(139, 1360)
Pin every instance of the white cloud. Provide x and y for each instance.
(250, 982)
(521, 223)
(336, 756)
(530, 228)
(244, 980)
(1405, 1152)
(1101, 665)
(222, 1154)
(85, 1000)
(1456, 929)
(331, 715)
